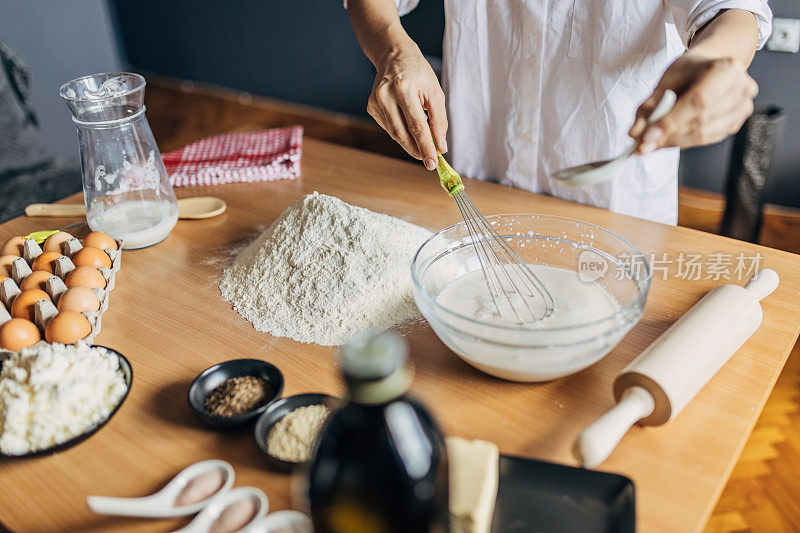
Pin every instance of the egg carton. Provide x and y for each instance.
(55, 286)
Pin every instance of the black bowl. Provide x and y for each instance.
(280, 409)
(212, 377)
(127, 374)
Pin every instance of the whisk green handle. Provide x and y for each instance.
(449, 178)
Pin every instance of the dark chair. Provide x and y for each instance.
(751, 157)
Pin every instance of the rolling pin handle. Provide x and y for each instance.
(596, 442)
(762, 283)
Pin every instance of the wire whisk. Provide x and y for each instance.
(516, 292)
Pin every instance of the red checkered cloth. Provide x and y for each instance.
(235, 157)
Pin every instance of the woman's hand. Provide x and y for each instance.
(715, 97)
(715, 93)
(405, 88)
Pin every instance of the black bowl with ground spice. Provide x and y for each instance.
(300, 429)
(235, 392)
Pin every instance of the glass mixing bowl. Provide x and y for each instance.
(538, 352)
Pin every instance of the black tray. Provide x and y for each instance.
(535, 496)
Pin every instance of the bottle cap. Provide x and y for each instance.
(374, 357)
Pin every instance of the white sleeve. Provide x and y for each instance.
(404, 7)
(691, 15)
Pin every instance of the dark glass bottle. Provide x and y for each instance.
(380, 464)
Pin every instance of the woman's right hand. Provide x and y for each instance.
(405, 88)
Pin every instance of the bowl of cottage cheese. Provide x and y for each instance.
(597, 279)
(54, 396)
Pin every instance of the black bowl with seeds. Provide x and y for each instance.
(235, 392)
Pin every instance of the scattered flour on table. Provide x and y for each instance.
(325, 272)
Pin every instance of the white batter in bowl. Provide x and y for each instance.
(598, 280)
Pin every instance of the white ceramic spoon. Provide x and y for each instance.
(196, 485)
(600, 171)
(235, 510)
(293, 521)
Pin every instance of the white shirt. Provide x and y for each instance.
(534, 86)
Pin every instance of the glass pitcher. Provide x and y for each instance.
(125, 186)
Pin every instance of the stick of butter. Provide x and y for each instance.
(473, 466)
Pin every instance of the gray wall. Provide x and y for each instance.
(296, 50)
(59, 41)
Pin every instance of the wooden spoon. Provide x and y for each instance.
(195, 207)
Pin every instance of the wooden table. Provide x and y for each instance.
(168, 318)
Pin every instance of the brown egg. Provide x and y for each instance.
(79, 299)
(35, 280)
(5, 264)
(23, 304)
(19, 333)
(92, 257)
(85, 276)
(13, 246)
(45, 261)
(54, 242)
(100, 240)
(67, 327)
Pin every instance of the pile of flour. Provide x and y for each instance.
(325, 272)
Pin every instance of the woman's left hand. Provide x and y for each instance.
(715, 97)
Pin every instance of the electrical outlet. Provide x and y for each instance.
(785, 36)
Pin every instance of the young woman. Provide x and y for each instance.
(530, 87)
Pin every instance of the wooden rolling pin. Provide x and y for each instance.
(658, 384)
